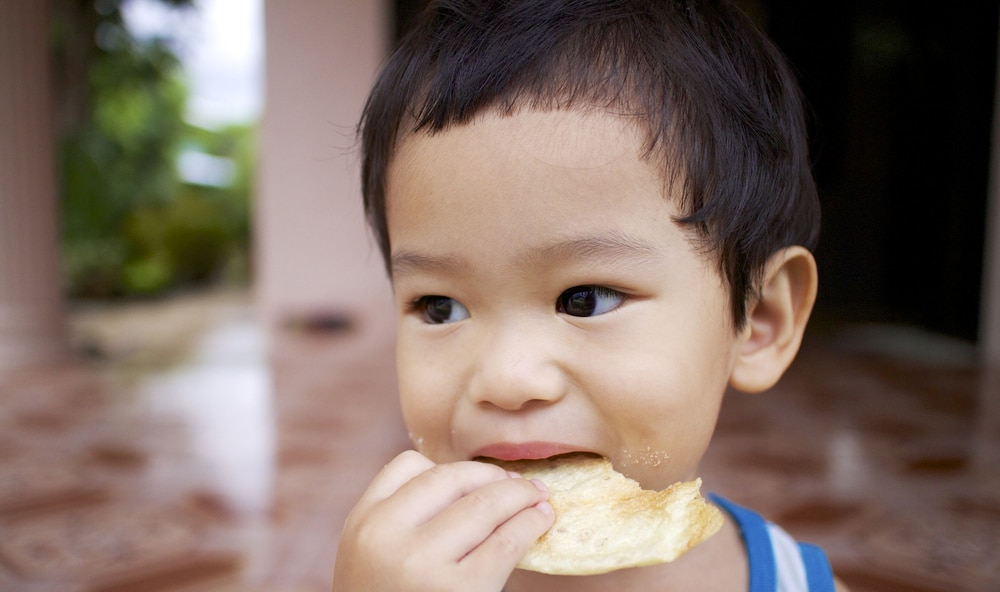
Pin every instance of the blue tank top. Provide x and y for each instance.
(777, 562)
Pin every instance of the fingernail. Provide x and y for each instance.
(545, 508)
(514, 475)
(541, 486)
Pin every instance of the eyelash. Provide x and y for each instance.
(422, 306)
(564, 302)
(419, 305)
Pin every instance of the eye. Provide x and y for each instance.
(439, 310)
(589, 301)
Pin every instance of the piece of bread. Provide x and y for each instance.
(605, 521)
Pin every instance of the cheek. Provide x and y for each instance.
(425, 402)
(665, 433)
(665, 404)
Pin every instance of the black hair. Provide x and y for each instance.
(716, 99)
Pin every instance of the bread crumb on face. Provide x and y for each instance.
(647, 457)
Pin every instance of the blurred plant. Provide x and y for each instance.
(203, 233)
(130, 225)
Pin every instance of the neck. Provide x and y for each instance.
(717, 565)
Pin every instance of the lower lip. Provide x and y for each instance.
(525, 451)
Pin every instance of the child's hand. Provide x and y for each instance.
(421, 526)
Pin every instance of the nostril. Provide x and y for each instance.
(519, 387)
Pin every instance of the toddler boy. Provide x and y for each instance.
(596, 216)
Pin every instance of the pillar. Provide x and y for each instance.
(32, 327)
(989, 325)
(313, 254)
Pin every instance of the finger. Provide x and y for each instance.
(430, 493)
(468, 522)
(504, 548)
(394, 475)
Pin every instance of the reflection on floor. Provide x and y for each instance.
(188, 454)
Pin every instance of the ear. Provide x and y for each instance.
(777, 320)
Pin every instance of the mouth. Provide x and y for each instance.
(507, 451)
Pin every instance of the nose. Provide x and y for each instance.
(518, 365)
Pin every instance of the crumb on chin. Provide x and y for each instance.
(647, 457)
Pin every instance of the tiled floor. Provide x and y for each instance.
(185, 453)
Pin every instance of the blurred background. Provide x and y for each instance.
(196, 337)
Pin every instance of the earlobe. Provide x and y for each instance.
(777, 320)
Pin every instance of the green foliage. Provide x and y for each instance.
(91, 266)
(188, 241)
(123, 155)
(131, 226)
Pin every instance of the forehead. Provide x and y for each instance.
(526, 143)
(505, 190)
(561, 138)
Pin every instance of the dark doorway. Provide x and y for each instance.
(902, 94)
(902, 99)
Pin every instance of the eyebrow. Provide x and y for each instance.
(608, 249)
(404, 263)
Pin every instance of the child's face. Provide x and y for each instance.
(548, 302)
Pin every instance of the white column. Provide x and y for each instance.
(312, 251)
(31, 308)
(986, 448)
(989, 325)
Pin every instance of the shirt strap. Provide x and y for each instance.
(757, 541)
(818, 571)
